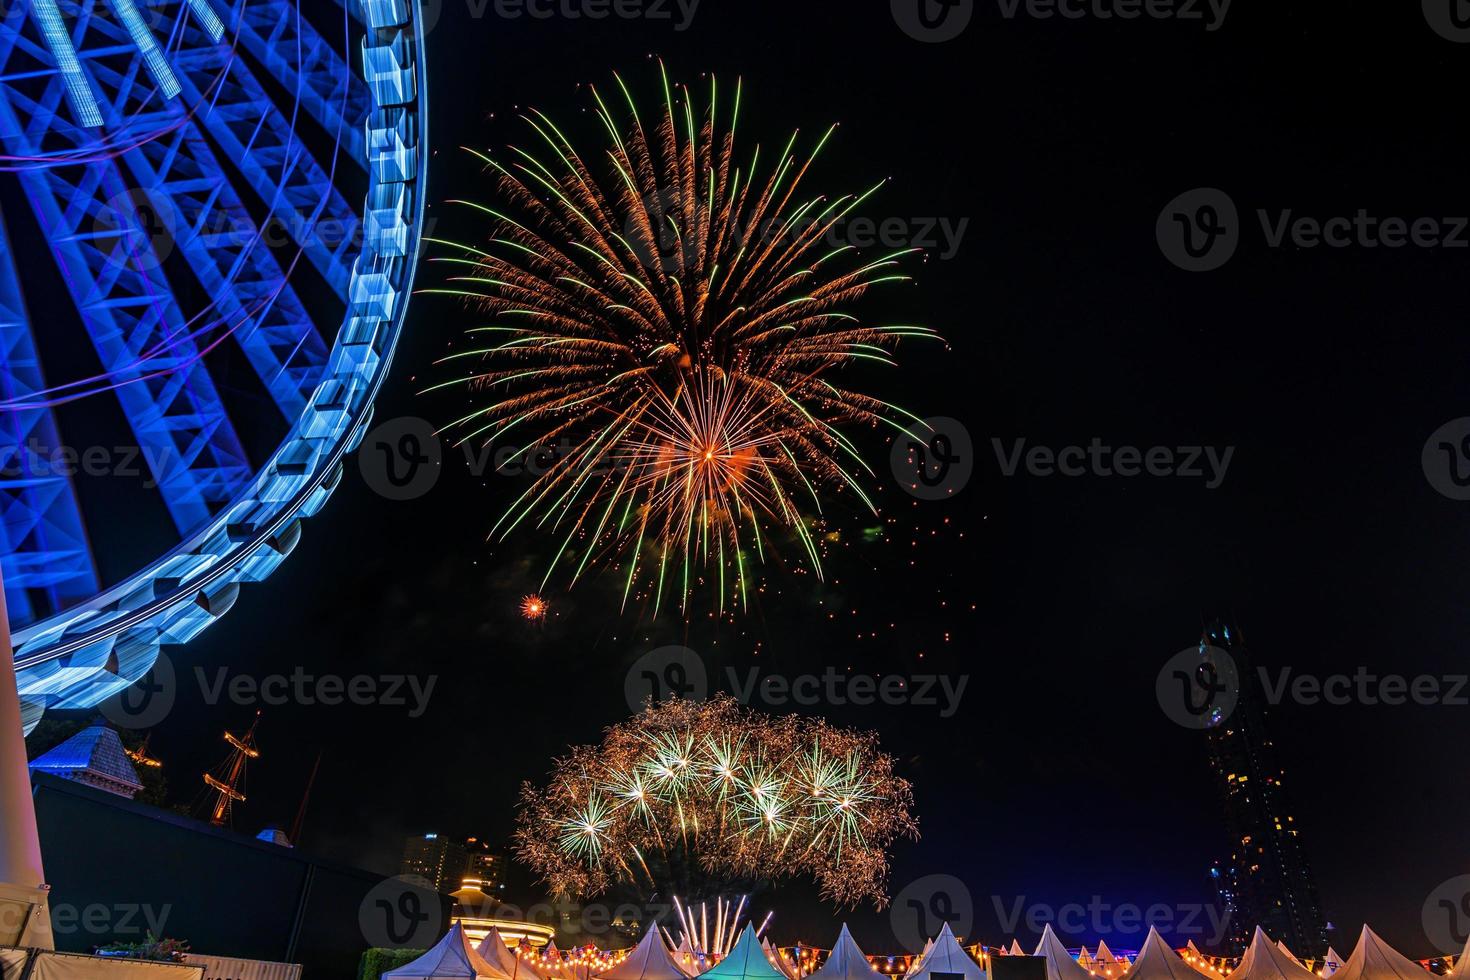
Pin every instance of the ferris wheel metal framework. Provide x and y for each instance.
(97, 110)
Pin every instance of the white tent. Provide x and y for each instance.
(1104, 957)
(846, 961)
(649, 960)
(1264, 960)
(947, 956)
(1375, 959)
(493, 949)
(1283, 947)
(452, 958)
(1084, 958)
(1332, 963)
(1015, 949)
(747, 961)
(773, 956)
(1462, 965)
(1059, 963)
(914, 966)
(1156, 961)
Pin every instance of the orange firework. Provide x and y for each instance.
(533, 607)
(680, 325)
(714, 790)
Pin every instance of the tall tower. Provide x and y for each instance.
(227, 783)
(1266, 880)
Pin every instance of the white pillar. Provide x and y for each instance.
(22, 880)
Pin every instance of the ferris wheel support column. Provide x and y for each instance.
(24, 917)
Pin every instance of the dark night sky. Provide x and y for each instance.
(1059, 778)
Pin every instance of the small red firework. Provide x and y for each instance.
(533, 607)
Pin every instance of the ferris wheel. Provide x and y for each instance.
(182, 262)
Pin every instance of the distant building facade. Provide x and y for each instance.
(1266, 879)
(445, 862)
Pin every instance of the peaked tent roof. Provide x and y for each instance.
(773, 957)
(1375, 959)
(746, 961)
(1462, 965)
(1103, 954)
(847, 961)
(1265, 960)
(1059, 963)
(914, 966)
(1283, 947)
(1015, 949)
(649, 960)
(452, 958)
(947, 956)
(495, 952)
(1333, 962)
(1156, 961)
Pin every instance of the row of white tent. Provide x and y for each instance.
(454, 958)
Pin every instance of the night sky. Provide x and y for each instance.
(1059, 778)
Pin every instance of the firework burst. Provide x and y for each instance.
(681, 325)
(713, 785)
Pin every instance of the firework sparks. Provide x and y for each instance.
(682, 327)
(718, 786)
(533, 607)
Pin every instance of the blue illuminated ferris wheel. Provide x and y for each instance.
(208, 229)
